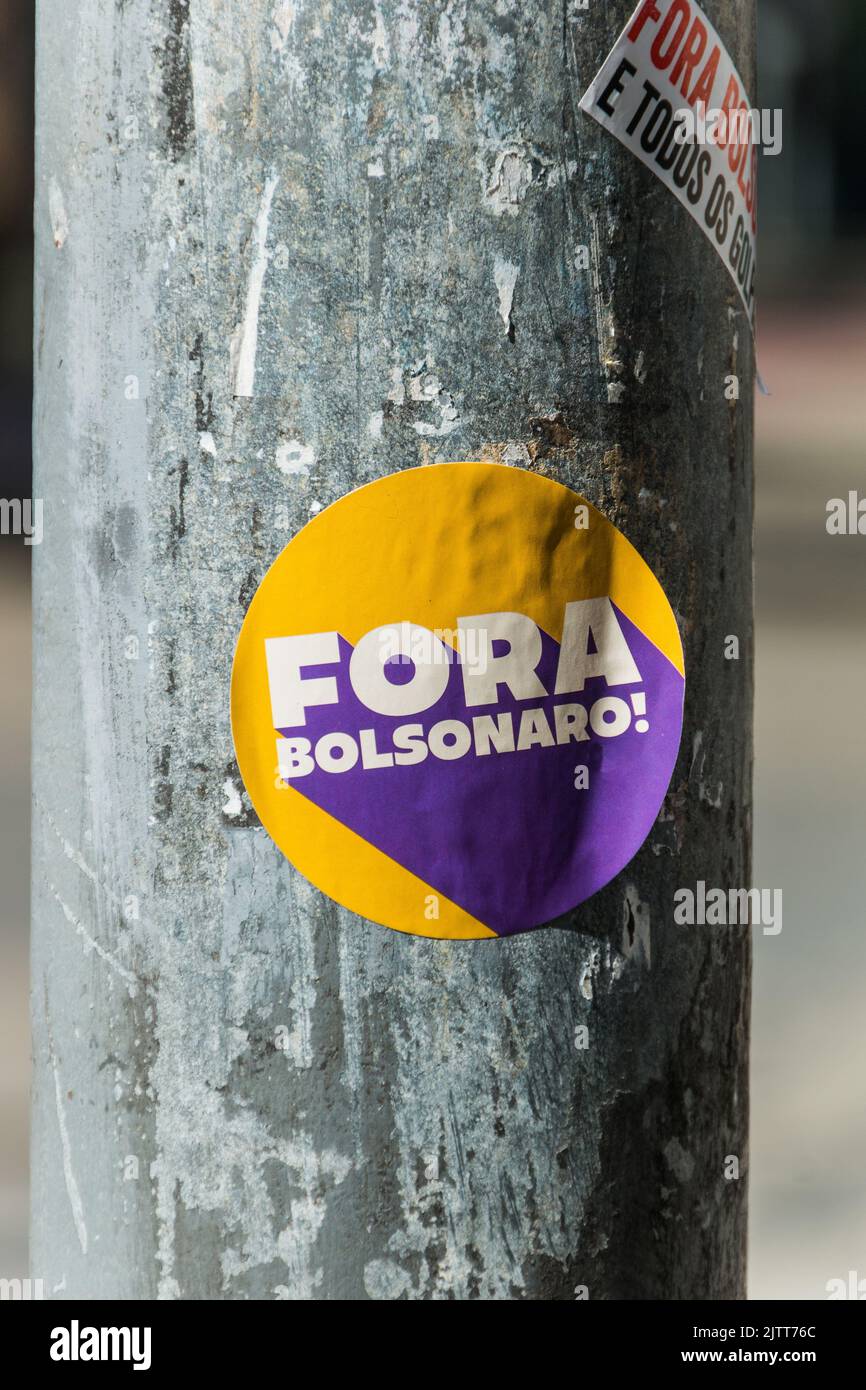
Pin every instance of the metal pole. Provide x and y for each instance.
(267, 241)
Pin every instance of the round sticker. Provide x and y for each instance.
(457, 700)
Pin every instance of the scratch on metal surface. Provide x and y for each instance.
(57, 213)
(71, 1185)
(90, 944)
(710, 797)
(244, 345)
(75, 857)
(605, 325)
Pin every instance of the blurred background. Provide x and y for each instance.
(16, 274)
(808, 1148)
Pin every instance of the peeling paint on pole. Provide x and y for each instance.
(257, 1094)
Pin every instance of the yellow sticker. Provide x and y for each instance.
(457, 700)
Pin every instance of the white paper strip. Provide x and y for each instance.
(671, 94)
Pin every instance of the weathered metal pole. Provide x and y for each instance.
(270, 248)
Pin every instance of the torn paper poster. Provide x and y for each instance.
(669, 91)
(457, 700)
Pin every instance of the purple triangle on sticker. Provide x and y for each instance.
(507, 836)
